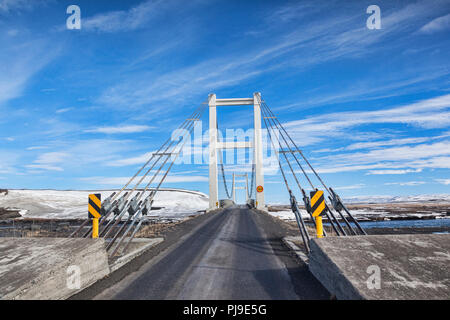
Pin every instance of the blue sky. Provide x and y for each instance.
(84, 108)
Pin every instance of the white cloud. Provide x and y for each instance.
(433, 162)
(124, 20)
(8, 160)
(12, 32)
(443, 181)
(49, 161)
(409, 183)
(392, 142)
(63, 110)
(20, 61)
(120, 129)
(130, 161)
(78, 153)
(401, 171)
(312, 42)
(52, 157)
(120, 181)
(44, 167)
(37, 147)
(351, 187)
(12, 5)
(421, 151)
(415, 159)
(429, 113)
(436, 25)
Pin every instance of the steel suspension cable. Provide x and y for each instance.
(288, 162)
(331, 217)
(157, 188)
(169, 154)
(328, 212)
(322, 182)
(188, 123)
(111, 225)
(152, 195)
(153, 154)
(301, 224)
(299, 151)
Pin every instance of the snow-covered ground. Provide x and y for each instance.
(63, 204)
(289, 215)
(176, 203)
(375, 210)
(393, 199)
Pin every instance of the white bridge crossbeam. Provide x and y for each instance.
(215, 145)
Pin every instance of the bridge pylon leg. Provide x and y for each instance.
(258, 152)
(213, 194)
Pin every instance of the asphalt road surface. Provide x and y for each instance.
(228, 256)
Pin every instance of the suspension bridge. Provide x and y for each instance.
(124, 212)
(232, 251)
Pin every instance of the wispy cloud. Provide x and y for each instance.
(9, 159)
(63, 110)
(37, 147)
(308, 43)
(408, 183)
(351, 187)
(120, 181)
(7, 6)
(44, 167)
(130, 161)
(392, 142)
(124, 20)
(20, 61)
(420, 151)
(429, 113)
(78, 153)
(401, 171)
(49, 161)
(121, 129)
(437, 25)
(443, 181)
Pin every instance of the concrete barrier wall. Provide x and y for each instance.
(387, 267)
(37, 268)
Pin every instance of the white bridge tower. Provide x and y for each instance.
(215, 145)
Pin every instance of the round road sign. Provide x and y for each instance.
(259, 188)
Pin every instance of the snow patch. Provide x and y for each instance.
(62, 204)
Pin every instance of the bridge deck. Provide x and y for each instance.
(228, 256)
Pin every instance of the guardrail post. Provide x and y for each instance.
(94, 209)
(317, 208)
(95, 228)
(319, 227)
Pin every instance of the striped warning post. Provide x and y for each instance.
(317, 203)
(95, 205)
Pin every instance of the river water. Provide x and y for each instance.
(419, 223)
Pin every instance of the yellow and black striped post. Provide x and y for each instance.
(94, 209)
(317, 208)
